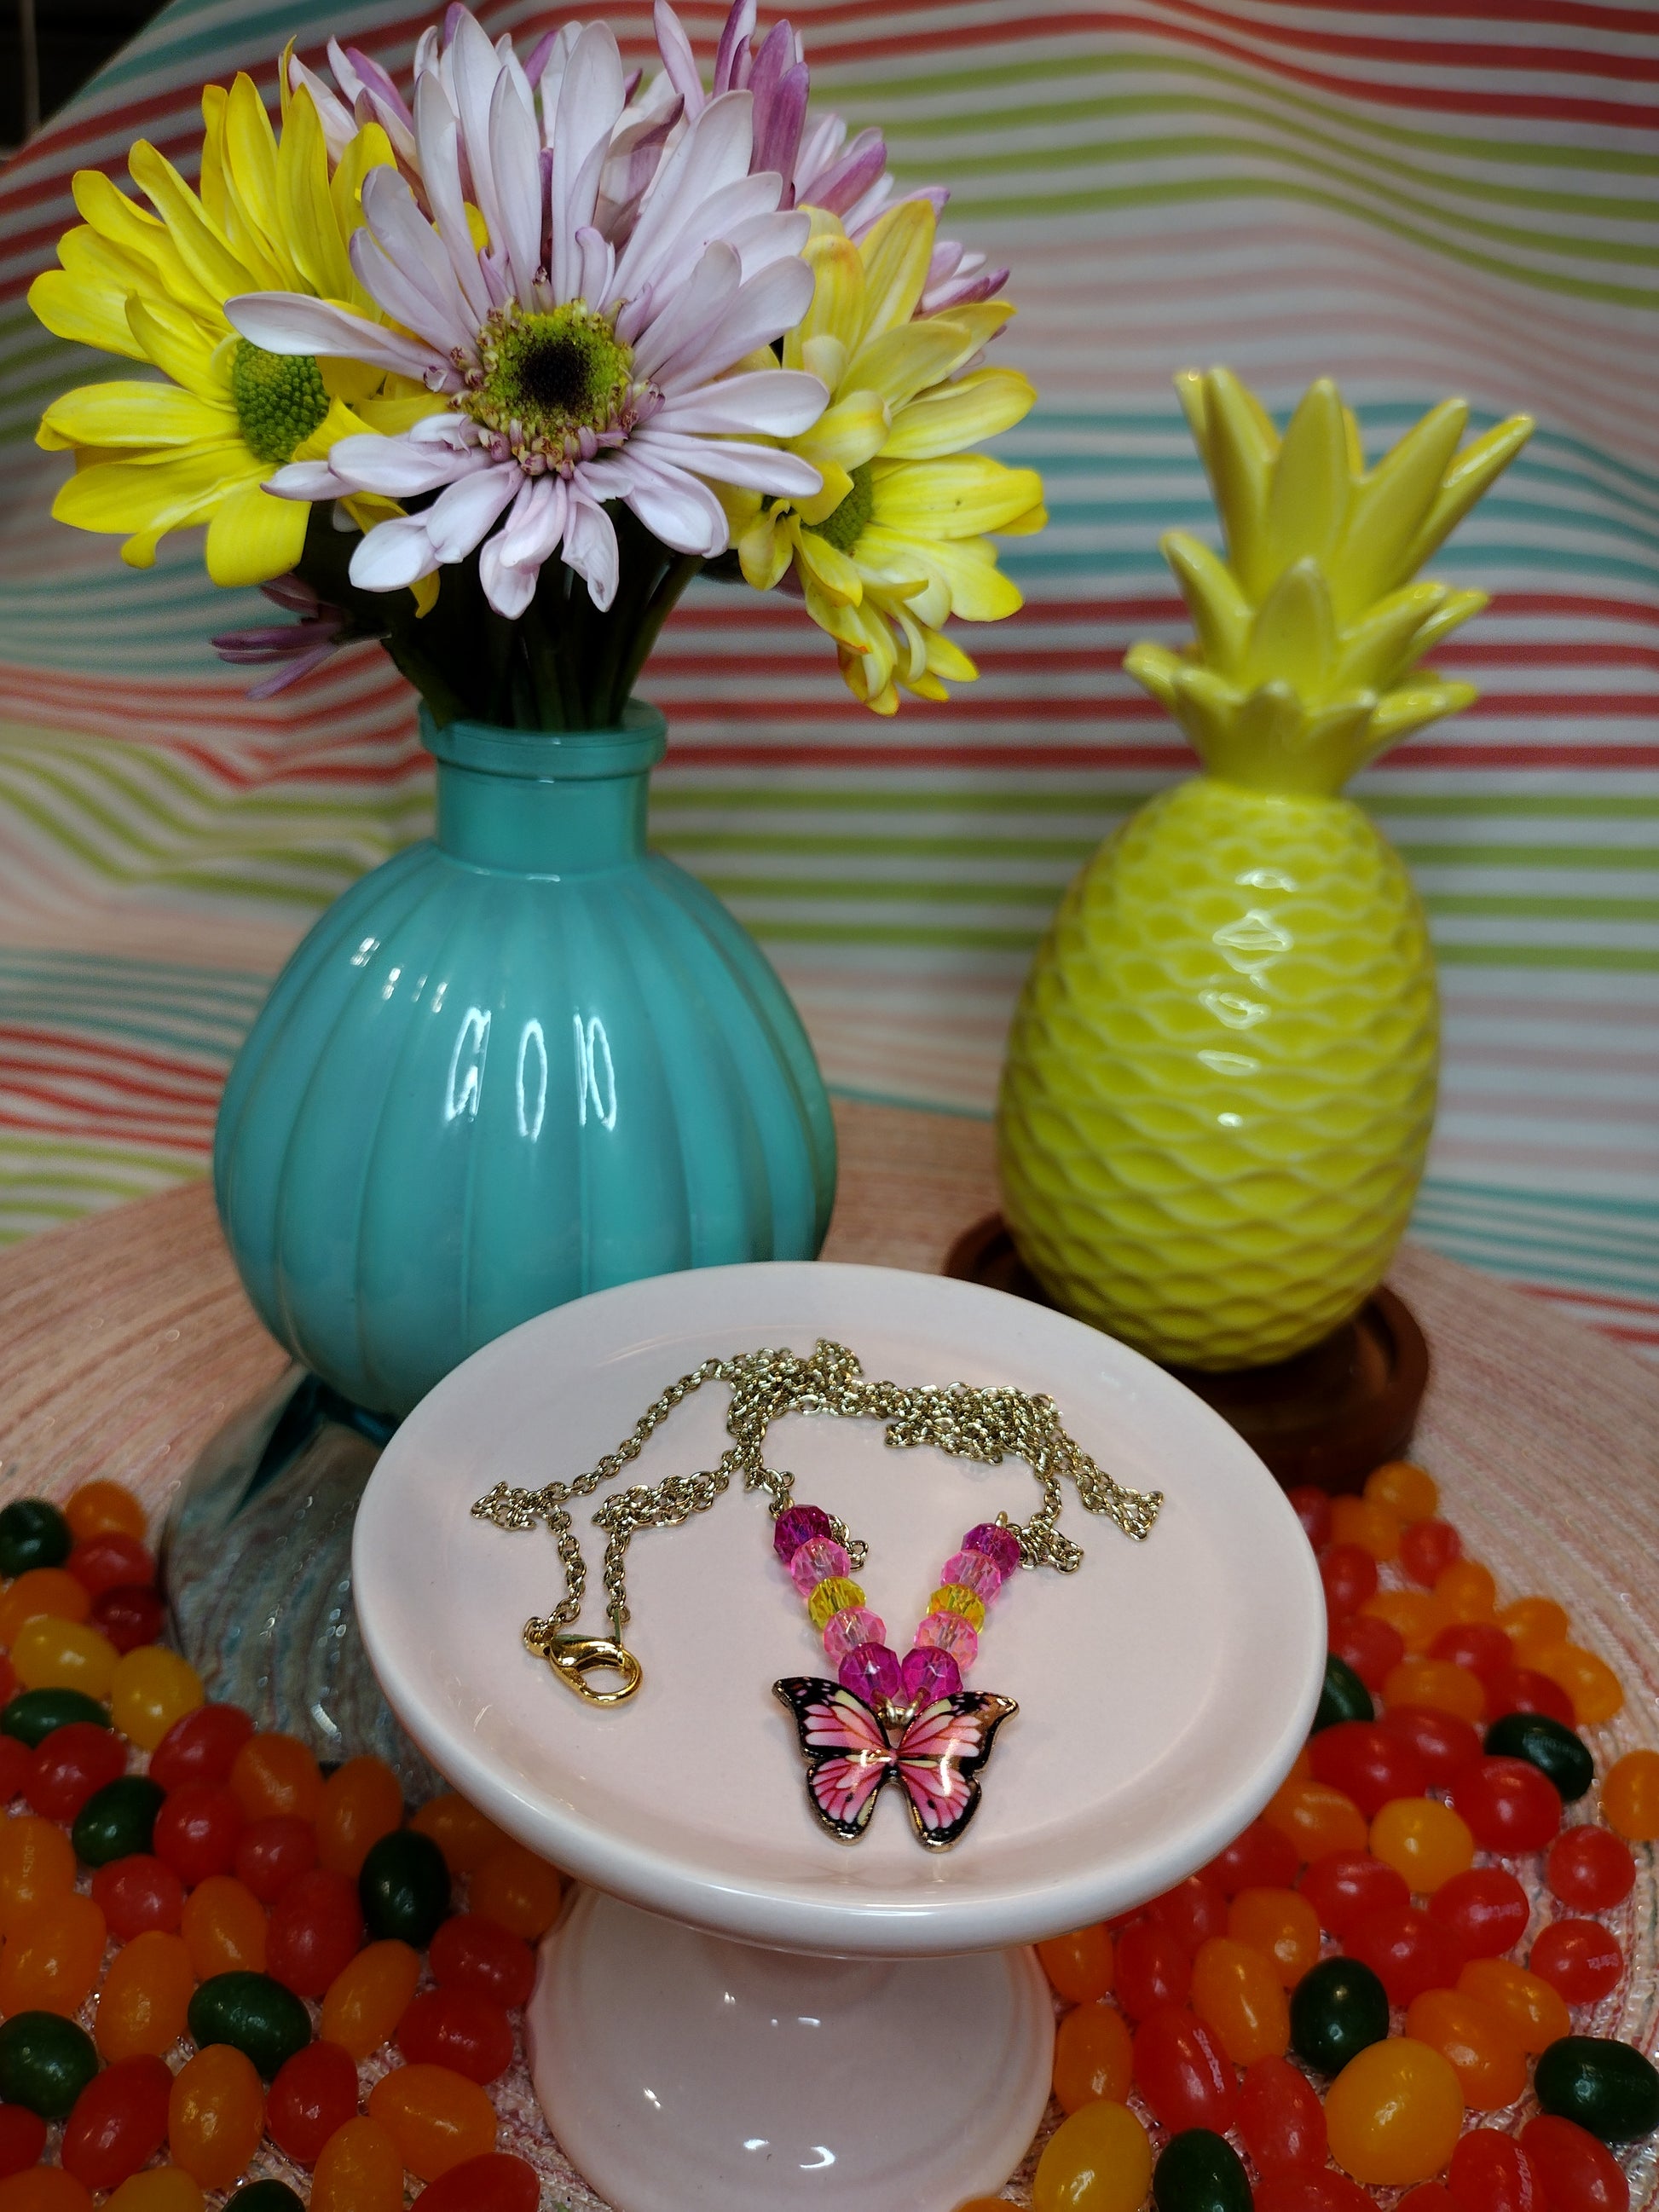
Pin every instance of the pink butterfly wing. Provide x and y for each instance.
(846, 1749)
(942, 1750)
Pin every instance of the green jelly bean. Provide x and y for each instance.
(33, 1715)
(1344, 1698)
(1337, 2009)
(1602, 2084)
(118, 1820)
(45, 2062)
(1200, 2172)
(266, 2197)
(33, 1534)
(1556, 1751)
(405, 1888)
(265, 2021)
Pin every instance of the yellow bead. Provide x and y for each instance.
(151, 1689)
(1098, 2159)
(64, 1655)
(956, 1597)
(832, 1597)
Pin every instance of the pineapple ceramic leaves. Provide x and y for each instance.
(1220, 1079)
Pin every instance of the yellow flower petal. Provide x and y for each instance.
(130, 414)
(177, 343)
(252, 219)
(141, 241)
(838, 292)
(849, 433)
(86, 314)
(765, 549)
(390, 416)
(823, 503)
(947, 658)
(205, 252)
(828, 568)
(254, 536)
(978, 591)
(824, 357)
(338, 422)
(896, 252)
(309, 225)
(153, 496)
(900, 363)
(962, 496)
(845, 622)
(953, 415)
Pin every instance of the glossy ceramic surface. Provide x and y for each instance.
(519, 1062)
(1164, 1689)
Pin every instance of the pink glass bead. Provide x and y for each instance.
(996, 1542)
(845, 1631)
(794, 1526)
(949, 1632)
(975, 1571)
(874, 1672)
(930, 1674)
(818, 1559)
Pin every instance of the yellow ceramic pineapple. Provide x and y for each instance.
(1221, 1076)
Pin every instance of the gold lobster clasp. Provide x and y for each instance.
(574, 1658)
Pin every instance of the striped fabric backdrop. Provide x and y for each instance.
(1441, 195)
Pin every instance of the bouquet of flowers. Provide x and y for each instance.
(491, 372)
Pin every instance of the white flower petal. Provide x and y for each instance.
(766, 238)
(714, 153)
(475, 66)
(763, 309)
(508, 590)
(397, 467)
(516, 156)
(777, 403)
(677, 59)
(393, 555)
(701, 304)
(399, 290)
(459, 516)
(409, 242)
(538, 524)
(287, 322)
(591, 99)
(729, 460)
(438, 135)
(306, 480)
(597, 262)
(590, 547)
(678, 508)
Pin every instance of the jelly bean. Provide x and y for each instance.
(266, 2197)
(471, 1953)
(1427, 1548)
(1486, 1908)
(365, 2003)
(1349, 1576)
(1394, 2113)
(1337, 2010)
(22, 2138)
(273, 1852)
(197, 1831)
(1372, 1648)
(1630, 1797)
(1479, 1645)
(128, 1619)
(118, 2124)
(145, 2000)
(460, 1832)
(362, 1801)
(137, 1894)
(1408, 1490)
(158, 2189)
(116, 1820)
(358, 2169)
(1536, 2014)
(1344, 1885)
(1596, 1692)
(316, 1930)
(1182, 2072)
(1199, 2171)
(1282, 1925)
(111, 1561)
(45, 1591)
(1427, 2196)
(1079, 1966)
(102, 1508)
(201, 1746)
(44, 2188)
(1237, 1993)
(1312, 1508)
(1467, 1592)
(1445, 1743)
(1329, 2191)
(253, 2013)
(1577, 2173)
(216, 2116)
(37, 1868)
(1578, 1958)
(1509, 1805)
(1522, 1690)
(404, 1889)
(313, 2095)
(13, 1763)
(459, 2029)
(1556, 1751)
(64, 1655)
(152, 1689)
(1490, 2173)
(1373, 1527)
(436, 2119)
(50, 1963)
(224, 1928)
(495, 2183)
(1368, 1764)
(1475, 2042)
(33, 1534)
(1257, 1858)
(1599, 2084)
(1412, 1614)
(70, 1766)
(1099, 2159)
(1193, 1912)
(1407, 1951)
(1424, 1841)
(1093, 2055)
(45, 2062)
(276, 1774)
(1438, 1685)
(1152, 1969)
(1280, 2118)
(1342, 1698)
(1316, 1818)
(1589, 1869)
(518, 1890)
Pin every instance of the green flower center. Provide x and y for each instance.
(844, 526)
(542, 379)
(279, 398)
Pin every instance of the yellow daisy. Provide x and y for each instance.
(897, 542)
(154, 456)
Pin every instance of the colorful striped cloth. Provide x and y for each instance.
(1443, 196)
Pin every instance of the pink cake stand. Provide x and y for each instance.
(736, 2012)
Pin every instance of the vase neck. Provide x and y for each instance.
(545, 802)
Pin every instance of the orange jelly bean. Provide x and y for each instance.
(37, 1868)
(50, 1961)
(1094, 2055)
(361, 1801)
(435, 2117)
(1532, 1624)
(145, 2000)
(216, 2116)
(1362, 1520)
(1466, 1591)
(367, 1998)
(1282, 1925)
(224, 1928)
(1316, 1818)
(360, 2169)
(101, 1508)
(1238, 1992)
(460, 1830)
(1595, 1691)
(1536, 2015)
(44, 2188)
(1477, 2043)
(152, 1688)
(1630, 1797)
(47, 1590)
(1437, 1683)
(1394, 2113)
(1413, 1613)
(518, 1891)
(158, 2189)
(1404, 1488)
(276, 1776)
(1423, 1840)
(1079, 1966)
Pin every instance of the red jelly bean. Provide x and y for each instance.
(1490, 2173)
(1258, 1858)
(316, 1931)
(1479, 1645)
(128, 1619)
(1343, 1887)
(1589, 1869)
(114, 1561)
(1522, 1690)
(1349, 1575)
(471, 1953)
(459, 2029)
(495, 2183)
(1407, 1951)
(1427, 1548)
(1152, 1969)
(270, 1853)
(1508, 1805)
(1182, 2072)
(1486, 1908)
(1578, 1958)
(196, 1829)
(1428, 2197)
(1312, 1508)
(1445, 1744)
(201, 1745)
(1193, 1912)
(1368, 1764)
(314, 2094)
(1578, 2173)
(15, 1758)
(1371, 1646)
(118, 2124)
(22, 2139)
(137, 1893)
(1329, 2191)
(70, 1766)
(1281, 2118)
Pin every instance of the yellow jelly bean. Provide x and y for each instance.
(1098, 2159)
(1595, 1690)
(151, 1689)
(159, 2189)
(64, 1655)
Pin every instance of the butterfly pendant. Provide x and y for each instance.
(849, 1754)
